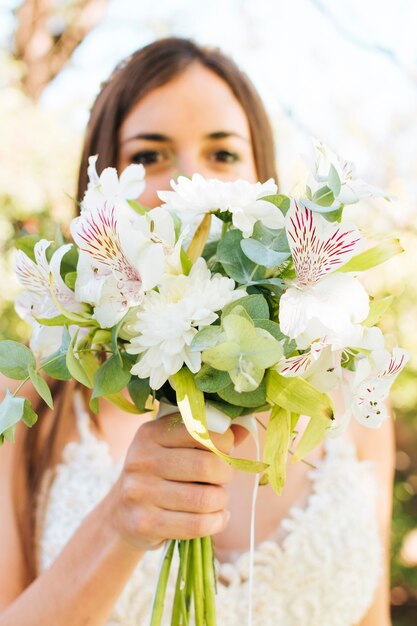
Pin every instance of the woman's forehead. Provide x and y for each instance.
(197, 102)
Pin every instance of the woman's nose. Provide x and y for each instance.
(189, 163)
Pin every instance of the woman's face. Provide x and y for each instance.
(191, 124)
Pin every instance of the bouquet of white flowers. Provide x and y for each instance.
(228, 299)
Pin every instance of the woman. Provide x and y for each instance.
(109, 493)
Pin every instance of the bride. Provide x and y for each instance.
(88, 502)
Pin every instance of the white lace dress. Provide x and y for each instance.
(324, 572)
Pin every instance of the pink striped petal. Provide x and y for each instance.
(96, 233)
(318, 247)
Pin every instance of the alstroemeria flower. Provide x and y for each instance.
(197, 196)
(37, 301)
(110, 188)
(120, 259)
(370, 385)
(168, 319)
(320, 365)
(321, 303)
(351, 189)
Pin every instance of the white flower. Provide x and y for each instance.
(120, 259)
(339, 175)
(37, 301)
(242, 199)
(109, 187)
(321, 366)
(169, 318)
(321, 303)
(370, 385)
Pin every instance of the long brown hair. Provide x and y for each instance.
(148, 68)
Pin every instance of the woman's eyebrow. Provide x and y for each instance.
(220, 134)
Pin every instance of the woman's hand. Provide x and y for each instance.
(171, 487)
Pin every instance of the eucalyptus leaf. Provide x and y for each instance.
(190, 401)
(250, 399)
(112, 376)
(15, 358)
(205, 338)
(333, 181)
(261, 254)
(255, 305)
(324, 196)
(11, 412)
(280, 200)
(41, 386)
(29, 416)
(139, 390)
(235, 263)
(211, 380)
(55, 365)
(75, 367)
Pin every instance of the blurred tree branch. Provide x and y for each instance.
(47, 33)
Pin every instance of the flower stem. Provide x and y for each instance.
(209, 581)
(158, 605)
(198, 582)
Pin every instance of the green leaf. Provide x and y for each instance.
(139, 208)
(377, 309)
(29, 416)
(11, 412)
(207, 337)
(313, 435)
(27, 245)
(324, 196)
(263, 255)
(190, 401)
(255, 305)
(249, 399)
(298, 396)
(372, 257)
(277, 441)
(245, 353)
(211, 380)
(333, 181)
(15, 358)
(69, 261)
(272, 328)
(235, 263)
(281, 201)
(229, 409)
(74, 366)
(55, 365)
(121, 402)
(139, 390)
(41, 386)
(112, 376)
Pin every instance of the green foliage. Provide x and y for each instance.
(15, 359)
(235, 263)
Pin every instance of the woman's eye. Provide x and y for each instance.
(224, 156)
(147, 157)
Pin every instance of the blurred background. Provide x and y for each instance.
(344, 72)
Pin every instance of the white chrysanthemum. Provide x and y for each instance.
(167, 321)
(241, 198)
